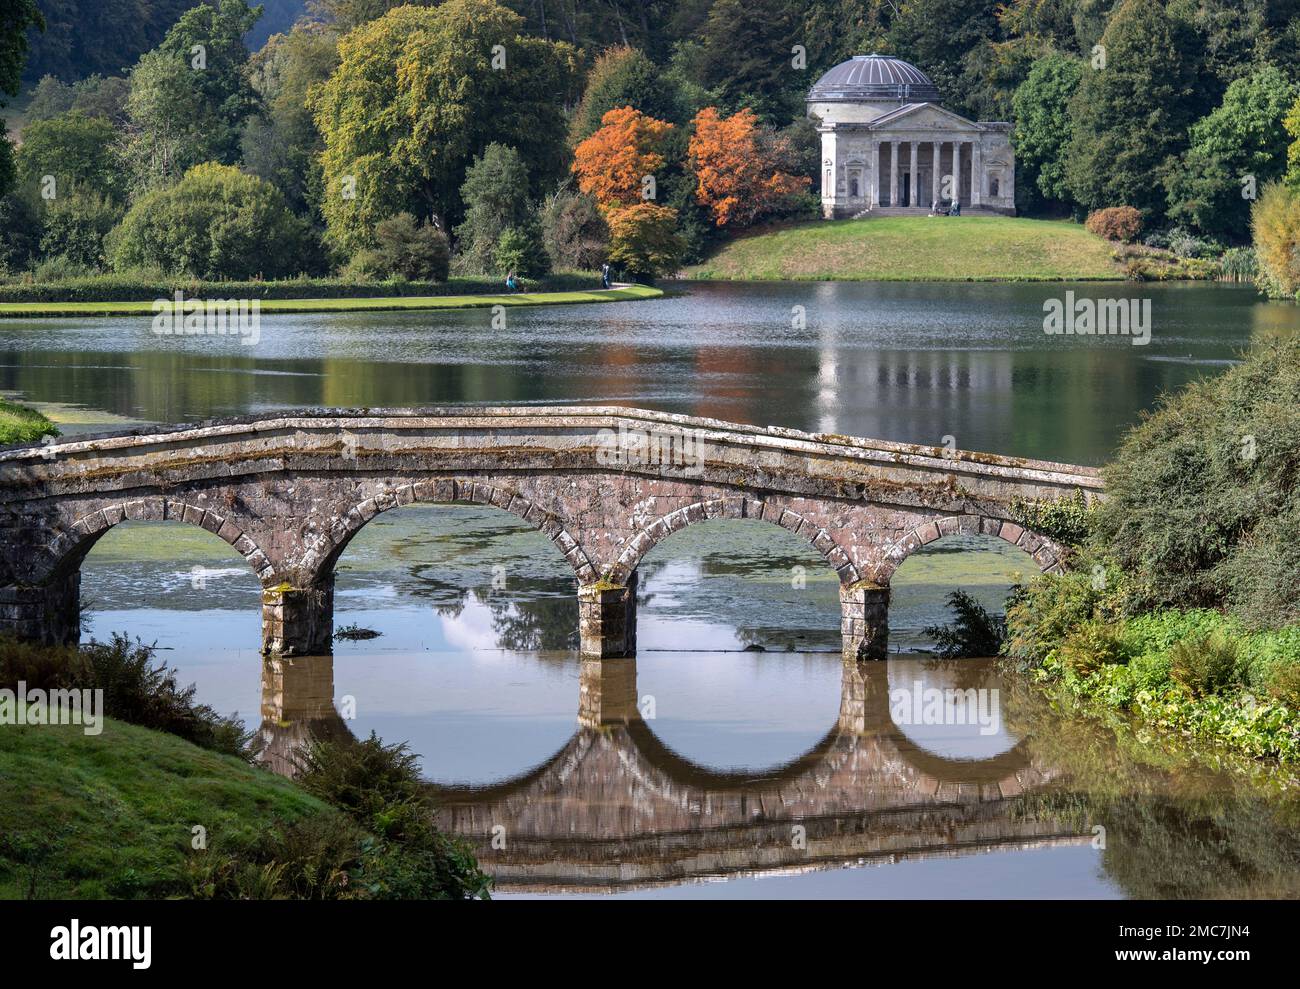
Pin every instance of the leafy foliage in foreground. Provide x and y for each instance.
(973, 633)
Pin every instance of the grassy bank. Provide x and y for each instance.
(19, 424)
(920, 248)
(111, 815)
(15, 310)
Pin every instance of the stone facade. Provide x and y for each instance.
(289, 492)
(886, 143)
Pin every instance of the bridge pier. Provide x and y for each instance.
(607, 618)
(298, 621)
(607, 692)
(864, 620)
(49, 614)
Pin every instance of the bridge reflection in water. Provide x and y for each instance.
(615, 808)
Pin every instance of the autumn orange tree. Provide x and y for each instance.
(737, 166)
(613, 162)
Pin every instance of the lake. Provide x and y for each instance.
(736, 755)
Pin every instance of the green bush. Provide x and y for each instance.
(974, 631)
(408, 250)
(1092, 645)
(1043, 612)
(1205, 664)
(216, 223)
(520, 251)
(1066, 520)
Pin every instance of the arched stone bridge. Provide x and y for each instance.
(290, 490)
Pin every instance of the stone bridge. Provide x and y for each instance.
(617, 808)
(289, 490)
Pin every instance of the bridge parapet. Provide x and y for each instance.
(605, 484)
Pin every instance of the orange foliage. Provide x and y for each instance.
(612, 162)
(737, 166)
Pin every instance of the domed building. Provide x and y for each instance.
(887, 144)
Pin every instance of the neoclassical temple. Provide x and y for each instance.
(887, 143)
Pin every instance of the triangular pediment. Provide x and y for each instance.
(924, 116)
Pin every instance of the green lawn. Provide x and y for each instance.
(111, 815)
(19, 424)
(382, 304)
(916, 248)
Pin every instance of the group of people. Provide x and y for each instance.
(952, 209)
(512, 281)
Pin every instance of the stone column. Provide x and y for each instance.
(913, 196)
(607, 692)
(49, 614)
(873, 176)
(607, 619)
(893, 173)
(935, 171)
(864, 698)
(298, 621)
(976, 173)
(956, 171)
(864, 623)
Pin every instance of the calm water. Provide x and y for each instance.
(735, 747)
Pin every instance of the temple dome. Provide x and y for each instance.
(874, 77)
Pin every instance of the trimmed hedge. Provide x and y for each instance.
(117, 288)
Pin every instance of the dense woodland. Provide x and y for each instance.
(373, 140)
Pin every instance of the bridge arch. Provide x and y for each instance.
(65, 553)
(318, 562)
(1048, 554)
(646, 537)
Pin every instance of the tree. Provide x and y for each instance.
(621, 77)
(520, 250)
(1235, 150)
(1042, 129)
(747, 56)
(190, 95)
(1292, 124)
(76, 151)
(644, 240)
(495, 194)
(937, 35)
(16, 16)
(417, 94)
(98, 37)
(281, 143)
(1130, 116)
(1275, 226)
(574, 231)
(613, 164)
(738, 168)
(75, 226)
(217, 222)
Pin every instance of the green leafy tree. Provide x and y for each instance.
(1042, 129)
(644, 240)
(216, 223)
(76, 225)
(520, 250)
(98, 37)
(75, 151)
(1234, 151)
(416, 96)
(190, 96)
(746, 57)
(416, 252)
(1130, 116)
(623, 77)
(16, 16)
(937, 35)
(94, 96)
(281, 143)
(495, 194)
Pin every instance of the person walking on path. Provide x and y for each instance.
(604, 275)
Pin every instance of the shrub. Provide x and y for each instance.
(974, 632)
(1043, 612)
(1066, 520)
(75, 228)
(1092, 645)
(1284, 685)
(644, 240)
(520, 251)
(410, 250)
(216, 223)
(1122, 223)
(1204, 664)
(1275, 229)
(574, 232)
